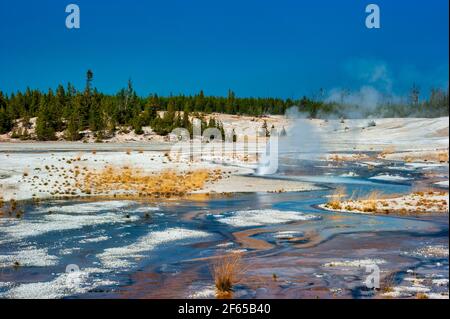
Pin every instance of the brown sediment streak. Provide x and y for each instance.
(337, 217)
(313, 240)
(440, 133)
(190, 216)
(244, 238)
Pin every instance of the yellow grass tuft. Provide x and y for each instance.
(436, 156)
(336, 198)
(13, 204)
(335, 158)
(387, 150)
(370, 202)
(2, 203)
(227, 271)
(443, 157)
(373, 196)
(388, 284)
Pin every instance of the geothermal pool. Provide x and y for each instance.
(163, 249)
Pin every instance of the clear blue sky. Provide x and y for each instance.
(284, 48)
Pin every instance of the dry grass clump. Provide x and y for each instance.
(10, 208)
(347, 157)
(336, 198)
(408, 159)
(386, 151)
(13, 204)
(227, 271)
(430, 204)
(388, 284)
(135, 182)
(370, 202)
(367, 204)
(335, 158)
(420, 190)
(425, 199)
(438, 157)
(443, 157)
(418, 202)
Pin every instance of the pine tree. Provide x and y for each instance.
(45, 130)
(84, 101)
(72, 133)
(265, 129)
(137, 125)
(178, 123)
(169, 116)
(212, 122)
(234, 136)
(3, 101)
(89, 78)
(414, 95)
(6, 122)
(96, 121)
(221, 129)
(230, 109)
(186, 122)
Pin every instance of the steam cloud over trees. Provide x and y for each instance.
(72, 111)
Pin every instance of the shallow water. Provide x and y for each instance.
(76, 249)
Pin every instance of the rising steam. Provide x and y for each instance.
(302, 140)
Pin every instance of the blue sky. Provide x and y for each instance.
(283, 48)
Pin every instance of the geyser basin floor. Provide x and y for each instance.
(166, 253)
(293, 249)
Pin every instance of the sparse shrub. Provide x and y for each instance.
(336, 198)
(13, 204)
(387, 150)
(388, 284)
(443, 157)
(227, 271)
(370, 202)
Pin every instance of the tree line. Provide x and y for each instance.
(73, 111)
